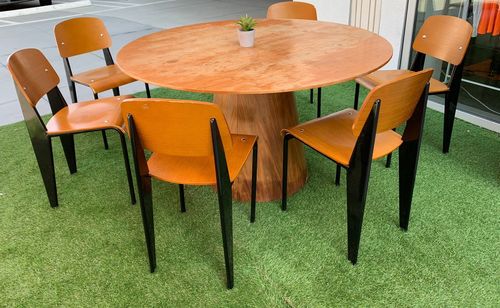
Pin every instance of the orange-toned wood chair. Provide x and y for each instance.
(34, 78)
(191, 145)
(296, 10)
(445, 38)
(82, 35)
(352, 139)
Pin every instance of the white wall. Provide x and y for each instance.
(392, 26)
(392, 20)
(332, 10)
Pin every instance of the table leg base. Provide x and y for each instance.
(265, 115)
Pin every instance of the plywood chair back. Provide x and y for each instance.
(176, 127)
(398, 100)
(33, 75)
(292, 10)
(81, 35)
(444, 37)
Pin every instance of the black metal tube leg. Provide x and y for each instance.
(357, 185)
(103, 132)
(337, 175)
(284, 179)
(116, 91)
(224, 194)
(408, 160)
(45, 159)
(356, 96)
(450, 108)
(72, 92)
(318, 114)
(226, 221)
(181, 198)
(68, 144)
(311, 96)
(254, 182)
(388, 161)
(358, 175)
(105, 139)
(127, 167)
(146, 197)
(148, 92)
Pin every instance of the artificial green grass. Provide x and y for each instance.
(91, 252)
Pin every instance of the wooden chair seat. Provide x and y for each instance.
(332, 136)
(103, 78)
(372, 80)
(199, 170)
(88, 116)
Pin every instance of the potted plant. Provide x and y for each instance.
(246, 32)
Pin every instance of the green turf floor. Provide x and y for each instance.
(90, 251)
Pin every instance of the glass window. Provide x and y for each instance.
(480, 88)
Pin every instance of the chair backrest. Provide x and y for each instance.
(398, 100)
(81, 35)
(444, 37)
(292, 10)
(32, 74)
(176, 127)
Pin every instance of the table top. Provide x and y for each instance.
(288, 55)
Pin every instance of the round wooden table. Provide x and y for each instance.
(254, 86)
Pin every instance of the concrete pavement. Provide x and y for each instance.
(126, 20)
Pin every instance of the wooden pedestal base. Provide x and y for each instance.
(265, 115)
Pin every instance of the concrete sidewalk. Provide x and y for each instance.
(126, 20)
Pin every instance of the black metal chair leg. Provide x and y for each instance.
(127, 167)
(284, 179)
(146, 202)
(357, 186)
(105, 139)
(254, 182)
(72, 92)
(450, 108)
(45, 159)
(408, 160)
(103, 132)
(226, 223)
(116, 91)
(224, 194)
(358, 175)
(388, 160)
(356, 96)
(148, 92)
(181, 198)
(318, 114)
(311, 96)
(337, 175)
(68, 144)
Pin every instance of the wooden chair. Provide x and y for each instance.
(82, 35)
(352, 139)
(191, 145)
(34, 78)
(296, 10)
(445, 38)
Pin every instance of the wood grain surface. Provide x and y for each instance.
(289, 55)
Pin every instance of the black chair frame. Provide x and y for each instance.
(42, 144)
(311, 100)
(358, 172)
(224, 193)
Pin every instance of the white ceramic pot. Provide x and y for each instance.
(247, 38)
